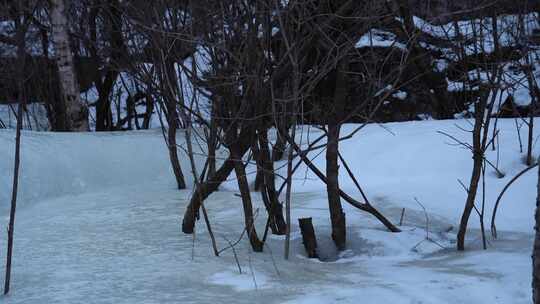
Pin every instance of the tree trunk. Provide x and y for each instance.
(11, 225)
(113, 24)
(308, 237)
(276, 209)
(266, 180)
(279, 148)
(534, 93)
(103, 104)
(337, 216)
(362, 206)
(530, 138)
(212, 145)
(536, 248)
(243, 186)
(204, 190)
(258, 184)
(476, 172)
(21, 35)
(469, 204)
(149, 111)
(76, 112)
(172, 121)
(170, 91)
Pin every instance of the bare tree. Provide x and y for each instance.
(21, 30)
(269, 49)
(486, 77)
(536, 249)
(158, 25)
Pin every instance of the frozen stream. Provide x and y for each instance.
(125, 246)
(99, 222)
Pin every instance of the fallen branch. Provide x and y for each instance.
(495, 208)
(362, 206)
(427, 238)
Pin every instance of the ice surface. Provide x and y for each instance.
(99, 222)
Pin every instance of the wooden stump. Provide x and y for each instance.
(308, 237)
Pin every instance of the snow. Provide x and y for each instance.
(400, 95)
(99, 222)
(240, 281)
(375, 37)
(506, 25)
(56, 164)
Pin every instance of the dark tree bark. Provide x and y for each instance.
(535, 94)
(469, 204)
(536, 248)
(265, 174)
(478, 156)
(170, 91)
(131, 113)
(172, 120)
(240, 171)
(270, 185)
(278, 150)
(258, 184)
(149, 111)
(21, 34)
(259, 176)
(212, 145)
(11, 225)
(103, 104)
(112, 18)
(337, 216)
(203, 190)
(308, 237)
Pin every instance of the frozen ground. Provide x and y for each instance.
(99, 222)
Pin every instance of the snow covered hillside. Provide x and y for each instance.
(100, 223)
(56, 164)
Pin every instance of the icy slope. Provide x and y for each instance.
(100, 223)
(55, 164)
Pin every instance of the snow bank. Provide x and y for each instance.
(56, 164)
(120, 240)
(398, 162)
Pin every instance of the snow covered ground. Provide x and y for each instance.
(99, 222)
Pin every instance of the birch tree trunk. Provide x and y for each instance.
(76, 117)
(536, 248)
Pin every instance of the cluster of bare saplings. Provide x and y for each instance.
(230, 73)
(276, 66)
